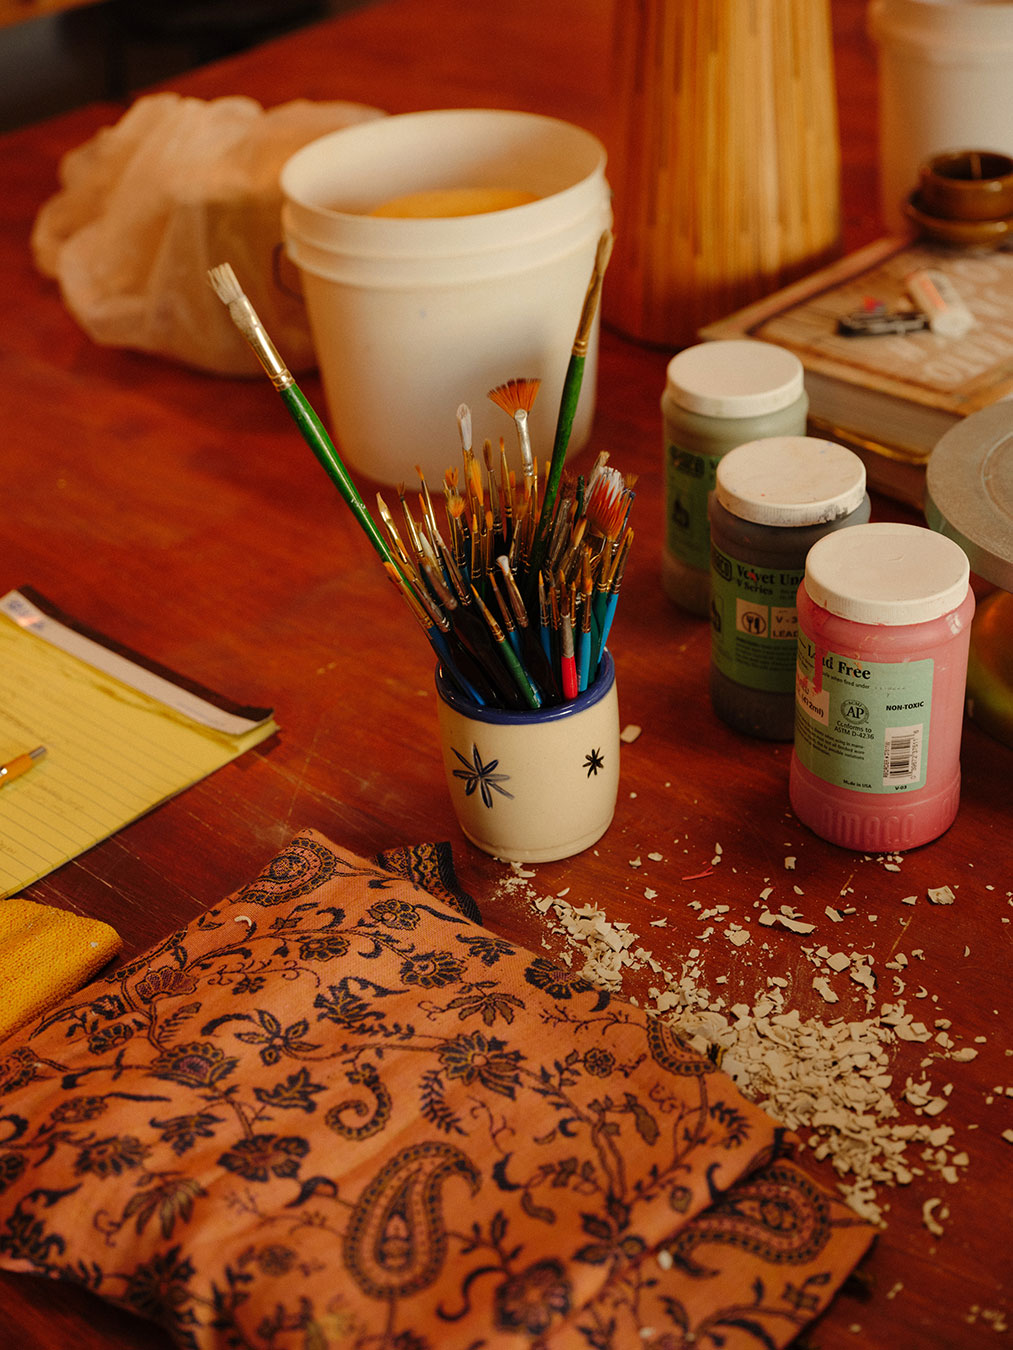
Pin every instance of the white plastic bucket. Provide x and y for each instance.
(945, 83)
(412, 317)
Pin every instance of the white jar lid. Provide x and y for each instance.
(887, 573)
(741, 377)
(790, 481)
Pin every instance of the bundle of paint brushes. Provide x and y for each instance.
(516, 592)
(517, 597)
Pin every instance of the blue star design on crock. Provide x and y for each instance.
(593, 761)
(481, 776)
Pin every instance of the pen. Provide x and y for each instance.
(20, 764)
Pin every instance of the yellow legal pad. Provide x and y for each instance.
(120, 737)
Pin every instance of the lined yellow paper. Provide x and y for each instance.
(119, 740)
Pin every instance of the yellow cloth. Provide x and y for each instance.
(45, 954)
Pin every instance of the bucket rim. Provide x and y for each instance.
(444, 274)
(444, 246)
(304, 199)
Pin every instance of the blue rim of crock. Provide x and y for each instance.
(507, 717)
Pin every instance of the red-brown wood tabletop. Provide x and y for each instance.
(182, 515)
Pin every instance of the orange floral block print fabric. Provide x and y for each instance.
(335, 1111)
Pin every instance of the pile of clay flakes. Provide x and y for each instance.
(829, 1081)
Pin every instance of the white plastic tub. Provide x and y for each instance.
(412, 317)
(945, 83)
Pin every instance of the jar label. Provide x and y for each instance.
(862, 725)
(689, 478)
(754, 622)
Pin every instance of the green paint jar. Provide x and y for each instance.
(718, 395)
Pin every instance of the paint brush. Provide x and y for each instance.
(528, 691)
(567, 662)
(532, 651)
(454, 508)
(429, 515)
(494, 502)
(464, 427)
(244, 316)
(517, 398)
(615, 581)
(584, 645)
(472, 633)
(407, 562)
(506, 490)
(507, 621)
(411, 529)
(437, 634)
(571, 393)
(544, 619)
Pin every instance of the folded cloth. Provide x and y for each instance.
(177, 186)
(45, 954)
(336, 1111)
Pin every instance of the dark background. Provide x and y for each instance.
(112, 49)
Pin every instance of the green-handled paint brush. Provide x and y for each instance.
(244, 316)
(568, 401)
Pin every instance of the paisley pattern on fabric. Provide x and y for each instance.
(396, 1241)
(335, 1111)
(673, 1053)
(779, 1215)
(303, 867)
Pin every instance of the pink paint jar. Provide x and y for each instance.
(884, 617)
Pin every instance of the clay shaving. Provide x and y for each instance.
(829, 1081)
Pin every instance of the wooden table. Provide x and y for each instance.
(182, 515)
(15, 11)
